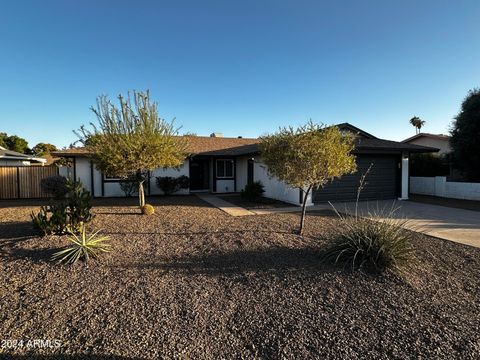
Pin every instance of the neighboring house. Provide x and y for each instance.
(13, 158)
(224, 165)
(439, 141)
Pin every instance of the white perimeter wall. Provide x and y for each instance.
(439, 186)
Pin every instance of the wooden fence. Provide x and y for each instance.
(23, 182)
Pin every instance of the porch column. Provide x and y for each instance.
(405, 177)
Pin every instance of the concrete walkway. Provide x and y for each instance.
(462, 226)
(458, 225)
(223, 205)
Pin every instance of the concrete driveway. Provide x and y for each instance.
(462, 226)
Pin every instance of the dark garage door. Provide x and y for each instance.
(382, 182)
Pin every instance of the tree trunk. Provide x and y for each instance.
(141, 194)
(304, 210)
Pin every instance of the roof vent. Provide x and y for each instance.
(240, 137)
(216, 134)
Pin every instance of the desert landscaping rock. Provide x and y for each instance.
(194, 282)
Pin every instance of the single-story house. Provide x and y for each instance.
(13, 158)
(439, 141)
(227, 165)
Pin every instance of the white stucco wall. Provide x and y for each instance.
(274, 188)
(439, 186)
(184, 170)
(225, 186)
(97, 182)
(63, 171)
(113, 189)
(242, 172)
(83, 172)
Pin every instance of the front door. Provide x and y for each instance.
(199, 170)
(250, 171)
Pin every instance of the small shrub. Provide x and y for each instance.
(129, 188)
(170, 185)
(83, 247)
(52, 219)
(130, 185)
(374, 243)
(148, 209)
(253, 191)
(79, 206)
(56, 185)
(183, 182)
(67, 214)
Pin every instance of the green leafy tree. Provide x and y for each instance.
(42, 149)
(417, 123)
(465, 140)
(14, 143)
(3, 136)
(131, 138)
(308, 157)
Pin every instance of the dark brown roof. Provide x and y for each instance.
(75, 152)
(363, 144)
(197, 145)
(224, 146)
(206, 145)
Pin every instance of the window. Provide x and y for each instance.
(224, 168)
(111, 177)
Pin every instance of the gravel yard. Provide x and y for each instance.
(193, 282)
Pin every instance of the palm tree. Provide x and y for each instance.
(417, 123)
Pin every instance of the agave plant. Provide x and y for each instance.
(84, 246)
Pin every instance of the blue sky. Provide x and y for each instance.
(238, 67)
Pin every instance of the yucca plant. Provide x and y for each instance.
(84, 246)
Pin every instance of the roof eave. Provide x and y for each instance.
(23, 158)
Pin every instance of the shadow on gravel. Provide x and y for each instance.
(241, 261)
(155, 200)
(17, 230)
(34, 255)
(187, 233)
(118, 213)
(13, 234)
(22, 203)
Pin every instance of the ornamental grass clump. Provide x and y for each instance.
(374, 243)
(84, 247)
